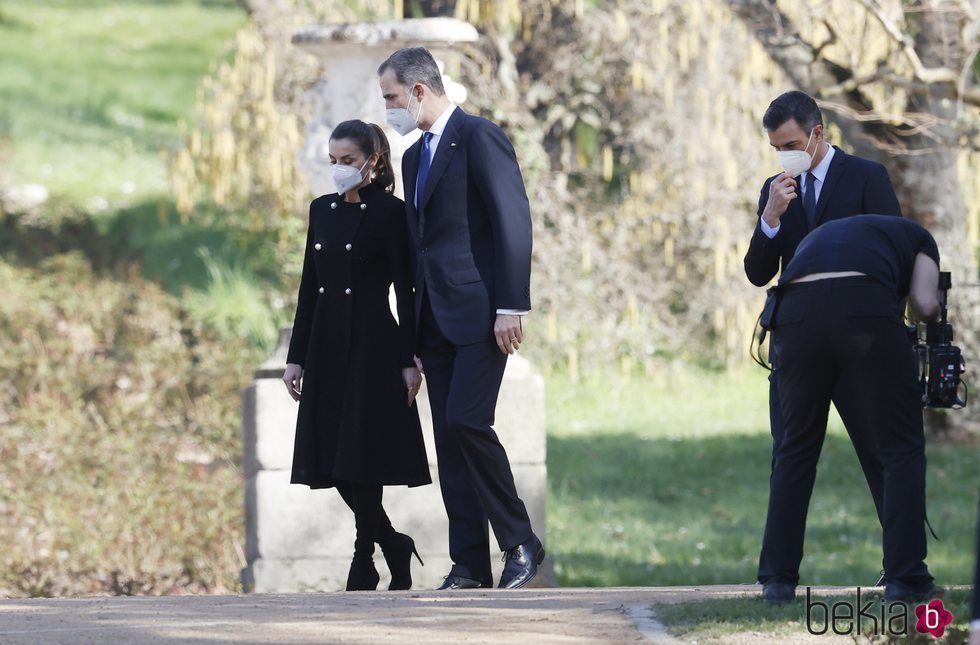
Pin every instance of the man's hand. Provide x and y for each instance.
(293, 378)
(507, 331)
(782, 190)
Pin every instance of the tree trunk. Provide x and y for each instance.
(928, 183)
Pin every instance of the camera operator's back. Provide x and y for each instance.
(881, 247)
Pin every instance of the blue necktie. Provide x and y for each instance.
(809, 201)
(425, 160)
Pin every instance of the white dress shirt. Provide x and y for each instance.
(436, 131)
(819, 174)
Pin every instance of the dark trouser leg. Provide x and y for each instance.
(385, 530)
(477, 373)
(805, 386)
(474, 473)
(469, 535)
(880, 377)
(859, 429)
(775, 412)
(367, 516)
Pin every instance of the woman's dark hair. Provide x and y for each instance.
(370, 139)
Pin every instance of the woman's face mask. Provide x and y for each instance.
(347, 177)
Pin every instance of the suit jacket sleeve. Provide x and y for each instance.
(762, 258)
(401, 275)
(879, 194)
(303, 321)
(497, 175)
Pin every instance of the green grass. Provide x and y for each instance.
(664, 481)
(91, 91)
(719, 618)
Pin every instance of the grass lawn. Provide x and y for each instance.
(729, 618)
(91, 91)
(664, 481)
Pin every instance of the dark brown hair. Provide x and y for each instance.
(369, 139)
(415, 65)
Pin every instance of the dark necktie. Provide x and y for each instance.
(810, 201)
(425, 159)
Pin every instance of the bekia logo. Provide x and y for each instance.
(932, 618)
(850, 617)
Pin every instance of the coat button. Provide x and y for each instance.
(333, 205)
(363, 207)
(347, 291)
(317, 246)
(321, 289)
(348, 247)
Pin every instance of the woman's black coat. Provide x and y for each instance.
(354, 423)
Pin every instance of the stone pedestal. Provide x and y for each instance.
(351, 54)
(298, 539)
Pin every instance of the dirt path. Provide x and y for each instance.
(525, 617)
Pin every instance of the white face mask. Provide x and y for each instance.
(401, 119)
(347, 177)
(797, 162)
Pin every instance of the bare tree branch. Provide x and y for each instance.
(923, 73)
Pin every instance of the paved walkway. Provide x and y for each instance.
(527, 617)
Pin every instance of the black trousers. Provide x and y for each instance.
(844, 340)
(474, 473)
(864, 446)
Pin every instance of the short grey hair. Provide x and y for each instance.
(415, 65)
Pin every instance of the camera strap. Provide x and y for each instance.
(764, 324)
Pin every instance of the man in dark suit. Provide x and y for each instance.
(470, 227)
(838, 329)
(833, 185)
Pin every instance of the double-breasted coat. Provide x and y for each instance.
(354, 422)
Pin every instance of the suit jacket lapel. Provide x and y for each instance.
(410, 172)
(444, 153)
(830, 182)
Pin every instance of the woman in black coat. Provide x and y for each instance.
(350, 365)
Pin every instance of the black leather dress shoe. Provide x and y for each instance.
(896, 592)
(521, 564)
(461, 582)
(778, 593)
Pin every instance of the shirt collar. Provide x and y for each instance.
(440, 125)
(820, 172)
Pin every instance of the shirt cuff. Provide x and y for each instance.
(767, 230)
(513, 312)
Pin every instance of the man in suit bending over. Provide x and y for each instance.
(819, 183)
(470, 229)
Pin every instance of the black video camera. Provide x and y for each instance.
(940, 361)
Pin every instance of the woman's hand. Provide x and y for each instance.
(293, 378)
(413, 381)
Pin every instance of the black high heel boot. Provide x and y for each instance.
(398, 549)
(362, 576)
(367, 514)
